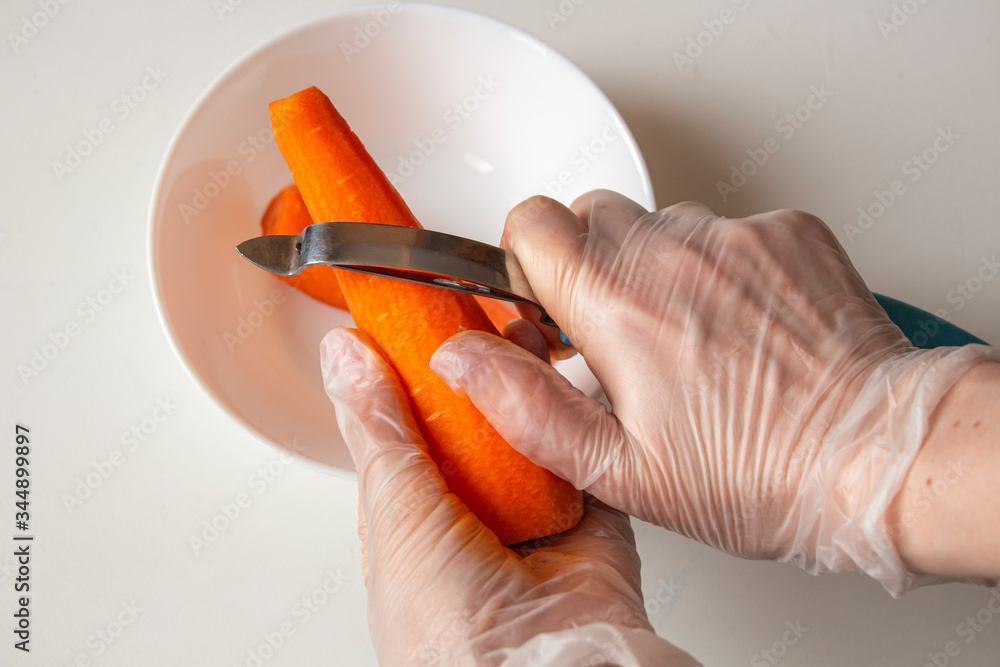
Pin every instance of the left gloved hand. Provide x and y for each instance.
(441, 587)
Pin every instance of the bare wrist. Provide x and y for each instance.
(944, 519)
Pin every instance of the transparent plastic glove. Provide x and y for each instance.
(762, 402)
(442, 590)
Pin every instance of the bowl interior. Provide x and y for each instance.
(467, 116)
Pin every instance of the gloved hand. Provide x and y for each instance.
(762, 402)
(441, 588)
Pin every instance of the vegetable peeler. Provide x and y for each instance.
(405, 253)
(453, 262)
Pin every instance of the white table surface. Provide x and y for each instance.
(115, 580)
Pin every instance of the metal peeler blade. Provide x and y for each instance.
(404, 253)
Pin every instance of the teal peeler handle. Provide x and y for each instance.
(923, 329)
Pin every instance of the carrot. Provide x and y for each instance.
(287, 215)
(339, 181)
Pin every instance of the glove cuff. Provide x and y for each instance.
(598, 644)
(864, 463)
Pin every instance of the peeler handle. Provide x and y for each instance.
(924, 330)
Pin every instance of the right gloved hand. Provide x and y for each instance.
(762, 402)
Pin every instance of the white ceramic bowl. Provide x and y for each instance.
(468, 116)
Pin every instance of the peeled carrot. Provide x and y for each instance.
(339, 181)
(287, 215)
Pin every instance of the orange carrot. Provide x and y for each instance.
(287, 215)
(339, 181)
